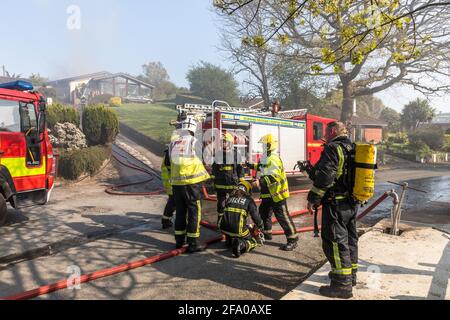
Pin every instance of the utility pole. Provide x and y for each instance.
(4, 70)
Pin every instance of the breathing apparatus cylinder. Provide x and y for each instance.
(365, 164)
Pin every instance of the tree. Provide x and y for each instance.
(365, 46)
(156, 74)
(392, 118)
(417, 112)
(253, 61)
(37, 80)
(213, 83)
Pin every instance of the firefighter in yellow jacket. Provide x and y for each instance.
(274, 193)
(170, 208)
(187, 177)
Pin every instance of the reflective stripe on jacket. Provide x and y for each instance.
(273, 178)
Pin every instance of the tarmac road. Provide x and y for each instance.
(133, 223)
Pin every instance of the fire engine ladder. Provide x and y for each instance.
(199, 108)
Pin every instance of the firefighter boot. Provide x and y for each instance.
(268, 235)
(354, 278)
(181, 241)
(290, 246)
(239, 247)
(194, 246)
(337, 292)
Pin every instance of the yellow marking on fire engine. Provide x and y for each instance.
(315, 145)
(17, 167)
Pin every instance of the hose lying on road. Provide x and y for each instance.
(64, 284)
(114, 190)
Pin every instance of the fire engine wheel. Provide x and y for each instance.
(3, 210)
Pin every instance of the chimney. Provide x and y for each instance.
(354, 107)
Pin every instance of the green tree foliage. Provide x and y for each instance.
(213, 83)
(100, 125)
(392, 118)
(156, 74)
(363, 46)
(417, 112)
(72, 165)
(433, 137)
(58, 113)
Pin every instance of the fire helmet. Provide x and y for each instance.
(269, 141)
(245, 186)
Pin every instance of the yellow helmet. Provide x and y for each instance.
(228, 137)
(270, 142)
(245, 186)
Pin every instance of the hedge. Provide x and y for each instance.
(100, 125)
(58, 113)
(74, 164)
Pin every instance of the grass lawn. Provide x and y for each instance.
(151, 120)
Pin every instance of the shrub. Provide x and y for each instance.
(433, 137)
(58, 113)
(115, 102)
(100, 99)
(73, 164)
(100, 125)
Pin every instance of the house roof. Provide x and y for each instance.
(122, 75)
(443, 118)
(356, 120)
(83, 76)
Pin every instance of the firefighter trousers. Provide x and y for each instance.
(222, 197)
(188, 211)
(170, 208)
(340, 241)
(269, 207)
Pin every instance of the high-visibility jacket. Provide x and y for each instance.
(331, 175)
(186, 165)
(228, 174)
(274, 183)
(165, 174)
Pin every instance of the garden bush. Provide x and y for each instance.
(433, 137)
(58, 113)
(100, 99)
(100, 125)
(115, 102)
(74, 164)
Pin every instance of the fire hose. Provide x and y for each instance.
(66, 283)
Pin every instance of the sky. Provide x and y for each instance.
(47, 37)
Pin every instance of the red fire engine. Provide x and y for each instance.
(27, 165)
(300, 135)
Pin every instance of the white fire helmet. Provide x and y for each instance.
(189, 124)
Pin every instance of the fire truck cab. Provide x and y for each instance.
(27, 165)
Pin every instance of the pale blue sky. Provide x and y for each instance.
(119, 35)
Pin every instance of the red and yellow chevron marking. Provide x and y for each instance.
(18, 169)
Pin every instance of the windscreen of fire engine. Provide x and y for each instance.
(9, 116)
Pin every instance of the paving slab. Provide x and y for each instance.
(413, 266)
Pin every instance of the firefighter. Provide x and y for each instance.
(227, 174)
(332, 189)
(170, 208)
(274, 193)
(187, 177)
(233, 221)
